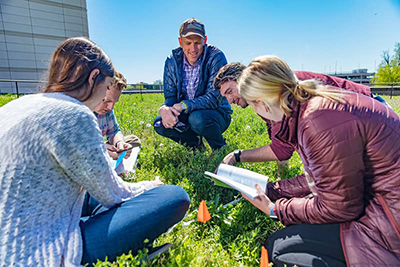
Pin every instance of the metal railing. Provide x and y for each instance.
(383, 88)
(142, 91)
(380, 88)
(16, 84)
(127, 91)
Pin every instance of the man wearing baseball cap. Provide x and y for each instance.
(193, 108)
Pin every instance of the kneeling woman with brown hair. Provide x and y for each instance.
(345, 209)
(52, 153)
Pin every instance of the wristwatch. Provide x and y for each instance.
(237, 154)
(183, 106)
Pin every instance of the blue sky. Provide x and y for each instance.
(321, 36)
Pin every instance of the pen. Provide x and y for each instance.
(123, 150)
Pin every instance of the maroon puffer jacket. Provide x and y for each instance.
(284, 151)
(351, 155)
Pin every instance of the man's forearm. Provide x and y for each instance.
(119, 137)
(260, 154)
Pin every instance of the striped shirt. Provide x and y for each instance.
(190, 79)
(108, 124)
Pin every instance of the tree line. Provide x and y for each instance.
(389, 68)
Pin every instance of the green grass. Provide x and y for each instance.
(4, 99)
(235, 234)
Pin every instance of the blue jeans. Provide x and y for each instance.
(123, 228)
(208, 123)
(380, 99)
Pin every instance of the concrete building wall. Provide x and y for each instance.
(30, 30)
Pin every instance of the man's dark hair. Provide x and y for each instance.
(229, 72)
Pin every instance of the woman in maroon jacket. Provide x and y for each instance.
(345, 209)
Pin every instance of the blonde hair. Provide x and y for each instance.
(271, 80)
(119, 81)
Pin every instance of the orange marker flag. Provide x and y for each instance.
(264, 257)
(203, 215)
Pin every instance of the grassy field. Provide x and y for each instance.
(235, 234)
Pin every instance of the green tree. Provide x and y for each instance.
(396, 56)
(389, 68)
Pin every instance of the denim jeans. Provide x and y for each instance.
(123, 228)
(306, 245)
(380, 99)
(208, 123)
